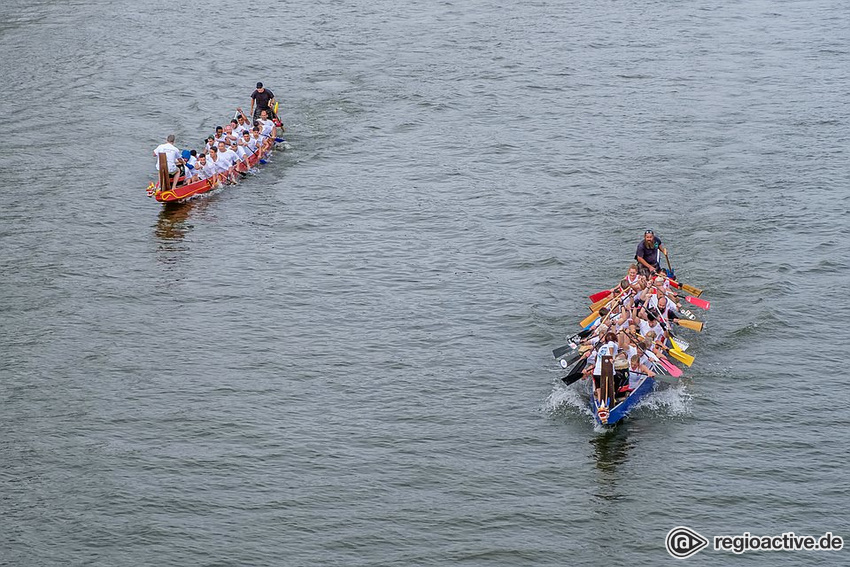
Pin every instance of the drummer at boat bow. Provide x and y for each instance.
(172, 158)
(264, 99)
(647, 253)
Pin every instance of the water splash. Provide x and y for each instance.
(569, 398)
(674, 401)
(667, 402)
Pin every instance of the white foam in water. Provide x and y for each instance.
(563, 397)
(672, 401)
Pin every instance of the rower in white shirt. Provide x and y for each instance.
(244, 123)
(226, 154)
(256, 140)
(267, 128)
(229, 134)
(200, 172)
(241, 150)
(243, 142)
(217, 164)
(226, 159)
(211, 170)
(219, 134)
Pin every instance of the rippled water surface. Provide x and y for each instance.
(346, 360)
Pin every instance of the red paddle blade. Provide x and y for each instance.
(601, 295)
(701, 303)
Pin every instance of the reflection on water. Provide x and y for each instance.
(611, 449)
(172, 225)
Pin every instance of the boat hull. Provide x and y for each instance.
(607, 416)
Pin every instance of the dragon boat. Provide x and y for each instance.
(161, 191)
(615, 401)
(184, 192)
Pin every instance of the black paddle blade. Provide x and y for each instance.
(575, 372)
(569, 379)
(571, 343)
(561, 351)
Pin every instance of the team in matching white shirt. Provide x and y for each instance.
(235, 142)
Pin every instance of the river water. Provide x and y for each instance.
(346, 359)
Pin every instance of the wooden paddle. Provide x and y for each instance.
(695, 325)
(666, 364)
(671, 273)
(661, 377)
(593, 316)
(596, 305)
(599, 296)
(701, 303)
(679, 355)
(691, 289)
(575, 373)
(561, 351)
(683, 286)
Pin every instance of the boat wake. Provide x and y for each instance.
(668, 402)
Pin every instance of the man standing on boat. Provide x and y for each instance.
(172, 159)
(264, 99)
(647, 254)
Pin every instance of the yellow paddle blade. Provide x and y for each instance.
(599, 304)
(695, 325)
(589, 319)
(275, 107)
(681, 356)
(695, 291)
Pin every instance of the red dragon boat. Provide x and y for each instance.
(184, 192)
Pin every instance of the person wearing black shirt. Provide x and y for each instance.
(647, 253)
(264, 99)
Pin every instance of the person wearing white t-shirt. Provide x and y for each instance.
(171, 154)
(172, 159)
(267, 129)
(219, 135)
(210, 170)
(243, 143)
(224, 163)
(256, 140)
(240, 149)
(200, 170)
(226, 154)
(650, 324)
(244, 123)
(216, 165)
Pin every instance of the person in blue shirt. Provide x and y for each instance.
(647, 254)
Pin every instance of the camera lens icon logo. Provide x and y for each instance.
(683, 542)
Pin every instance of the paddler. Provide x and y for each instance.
(633, 280)
(267, 129)
(264, 99)
(637, 370)
(647, 254)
